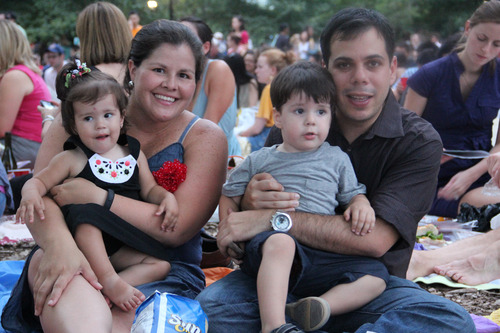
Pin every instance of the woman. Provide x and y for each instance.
(215, 97)
(238, 27)
(246, 85)
(460, 96)
(105, 40)
(21, 89)
(164, 64)
(269, 64)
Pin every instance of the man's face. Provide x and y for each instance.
(55, 60)
(362, 72)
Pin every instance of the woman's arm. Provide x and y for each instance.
(52, 144)
(415, 102)
(219, 87)
(14, 85)
(256, 128)
(205, 157)
(458, 184)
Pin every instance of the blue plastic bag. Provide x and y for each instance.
(165, 313)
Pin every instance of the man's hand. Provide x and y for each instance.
(264, 192)
(240, 227)
(54, 269)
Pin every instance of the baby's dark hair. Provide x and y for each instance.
(303, 78)
(89, 87)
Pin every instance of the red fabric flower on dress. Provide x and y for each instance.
(171, 175)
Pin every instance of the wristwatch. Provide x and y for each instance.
(281, 221)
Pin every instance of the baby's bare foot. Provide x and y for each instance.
(121, 293)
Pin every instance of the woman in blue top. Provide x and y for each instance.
(460, 96)
(164, 65)
(215, 96)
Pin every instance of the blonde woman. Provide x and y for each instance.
(269, 64)
(105, 40)
(21, 89)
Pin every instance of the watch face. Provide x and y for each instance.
(281, 222)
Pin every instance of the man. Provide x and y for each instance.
(55, 58)
(283, 39)
(394, 153)
(133, 20)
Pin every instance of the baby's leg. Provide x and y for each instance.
(137, 268)
(347, 297)
(89, 240)
(278, 252)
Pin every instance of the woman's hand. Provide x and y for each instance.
(78, 191)
(54, 269)
(493, 162)
(264, 192)
(457, 186)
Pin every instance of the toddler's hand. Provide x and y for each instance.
(361, 215)
(171, 210)
(30, 203)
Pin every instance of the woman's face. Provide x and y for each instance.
(483, 42)
(250, 63)
(164, 83)
(235, 23)
(264, 71)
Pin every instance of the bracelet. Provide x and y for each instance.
(47, 118)
(109, 199)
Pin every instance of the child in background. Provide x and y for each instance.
(327, 283)
(93, 109)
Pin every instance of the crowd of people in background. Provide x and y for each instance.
(194, 85)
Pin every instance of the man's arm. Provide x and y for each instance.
(334, 234)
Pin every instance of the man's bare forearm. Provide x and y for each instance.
(333, 234)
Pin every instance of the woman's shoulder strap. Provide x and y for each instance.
(188, 127)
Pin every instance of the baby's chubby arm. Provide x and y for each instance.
(154, 193)
(361, 214)
(58, 169)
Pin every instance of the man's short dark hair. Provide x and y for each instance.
(303, 77)
(348, 23)
(283, 27)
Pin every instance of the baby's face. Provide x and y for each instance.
(98, 124)
(304, 123)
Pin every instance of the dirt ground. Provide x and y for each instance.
(478, 302)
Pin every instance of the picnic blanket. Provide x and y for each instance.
(11, 232)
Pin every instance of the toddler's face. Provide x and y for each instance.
(304, 123)
(98, 124)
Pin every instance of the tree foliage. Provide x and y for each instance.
(47, 21)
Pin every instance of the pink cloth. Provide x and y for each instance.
(28, 122)
(244, 37)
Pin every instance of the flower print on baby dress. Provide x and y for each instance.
(115, 172)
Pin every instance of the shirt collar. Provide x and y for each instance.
(389, 123)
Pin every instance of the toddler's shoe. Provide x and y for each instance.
(310, 313)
